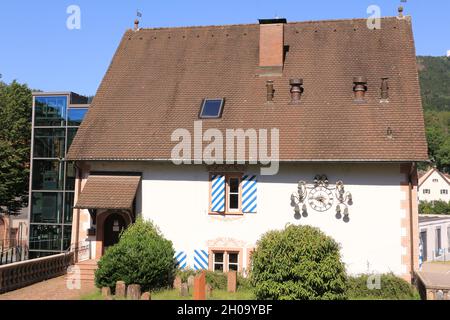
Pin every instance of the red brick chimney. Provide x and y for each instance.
(271, 46)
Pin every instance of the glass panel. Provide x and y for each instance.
(218, 257)
(49, 143)
(48, 175)
(218, 267)
(71, 132)
(39, 254)
(50, 111)
(45, 237)
(68, 209)
(75, 116)
(233, 258)
(234, 201)
(67, 236)
(46, 207)
(70, 176)
(234, 185)
(233, 267)
(212, 108)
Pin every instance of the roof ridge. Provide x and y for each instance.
(255, 24)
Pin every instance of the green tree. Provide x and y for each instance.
(298, 263)
(15, 136)
(443, 156)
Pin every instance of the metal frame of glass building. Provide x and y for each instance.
(56, 118)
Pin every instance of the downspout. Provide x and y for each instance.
(411, 218)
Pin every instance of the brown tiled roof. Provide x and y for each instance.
(108, 192)
(158, 78)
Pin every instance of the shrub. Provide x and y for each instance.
(142, 256)
(391, 288)
(298, 263)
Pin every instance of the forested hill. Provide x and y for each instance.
(434, 73)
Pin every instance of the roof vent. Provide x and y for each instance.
(270, 90)
(296, 90)
(271, 46)
(384, 89)
(390, 133)
(360, 88)
(400, 12)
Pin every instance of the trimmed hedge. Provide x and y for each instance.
(142, 256)
(298, 263)
(391, 288)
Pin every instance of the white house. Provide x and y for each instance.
(335, 104)
(434, 186)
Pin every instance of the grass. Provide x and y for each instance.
(175, 295)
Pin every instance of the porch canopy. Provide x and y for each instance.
(109, 192)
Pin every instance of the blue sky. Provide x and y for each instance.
(38, 49)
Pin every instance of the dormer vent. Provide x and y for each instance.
(296, 89)
(360, 88)
(270, 90)
(384, 89)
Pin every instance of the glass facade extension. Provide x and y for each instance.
(55, 124)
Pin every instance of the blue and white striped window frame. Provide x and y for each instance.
(218, 193)
(249, 194)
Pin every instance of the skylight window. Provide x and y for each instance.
(212, 108)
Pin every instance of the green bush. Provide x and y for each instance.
(142, 257)
(298, 263)
(391, 288)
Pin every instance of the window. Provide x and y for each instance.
(50, 111)
(234, 194)
(46, 207)
(448, 238)
(225, 261)
(426, 191)
(435, 180)
(48, 175)
(212, 108)
(45, 237)
(444, 191)
(218, 261)
(225, 192)
(438, 242)
(233, 261)
(49, 143)
(75, 116)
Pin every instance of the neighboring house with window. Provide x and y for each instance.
(434, 237)
(341, 99)
(434, 186)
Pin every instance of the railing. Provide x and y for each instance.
(14, 254)
(12, 250)
(21, 274)
(82, 250)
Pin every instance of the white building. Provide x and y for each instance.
(434, 186)
(435, 237)
(342, 99)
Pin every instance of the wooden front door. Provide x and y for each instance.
(114, 225)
